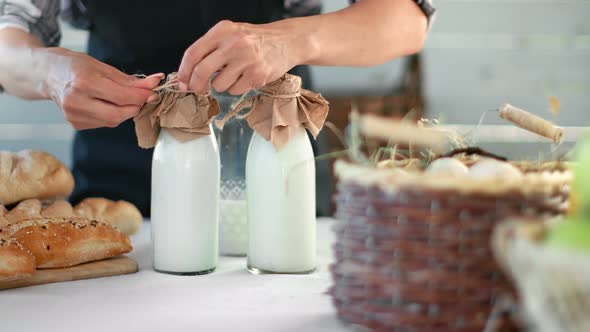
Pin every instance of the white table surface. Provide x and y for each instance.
(230, 299)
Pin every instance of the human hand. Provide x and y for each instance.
(247, 56)
(93, 94)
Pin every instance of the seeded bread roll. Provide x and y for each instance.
(123, 215)
(32, 174)
(31, 208)
(26, 209)
(63, 242)
(16, 262)
(59, 208)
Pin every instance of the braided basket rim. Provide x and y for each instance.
(545, 182)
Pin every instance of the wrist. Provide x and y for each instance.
(19, 72)
(302, 46)
(49, 63)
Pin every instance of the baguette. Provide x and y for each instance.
(123, 215)
(63, 242)
(32, 174)
(16, 262)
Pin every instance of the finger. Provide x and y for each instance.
(83, 124)
(150, 82)
(79, 119)
(121, 78)
(118, 94)
(199, 50)
(115, 74)
(101, 113)
(242, 86)
(192, 56)
(111, 115)
(202, 72)
(226, 78)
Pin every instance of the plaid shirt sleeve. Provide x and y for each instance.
(37, 17)
(427, 7)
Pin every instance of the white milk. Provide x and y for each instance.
(233, 227)
(185, 203)
(281, 206)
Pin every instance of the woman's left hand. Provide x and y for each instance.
(247, 56)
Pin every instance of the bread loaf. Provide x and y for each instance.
(123, 215)
(26, 209)
(62, 242)
(34, 208)
(59, 208)
(15, 261)
(32, 174)
(3, 212)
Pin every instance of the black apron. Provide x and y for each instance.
(146, 37)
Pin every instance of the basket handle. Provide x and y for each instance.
(392, 130)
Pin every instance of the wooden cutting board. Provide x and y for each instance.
(105, 268)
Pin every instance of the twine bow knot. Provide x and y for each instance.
(279, 108)
(185, 115)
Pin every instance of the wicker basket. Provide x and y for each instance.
(554, 285)
(412, 250)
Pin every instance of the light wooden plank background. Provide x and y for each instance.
(479, 54)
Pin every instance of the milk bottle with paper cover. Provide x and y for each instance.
(233, 140)
(185, 179)
(280, 177)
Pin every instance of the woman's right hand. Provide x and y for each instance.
(93, 94)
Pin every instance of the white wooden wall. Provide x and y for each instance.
(482, 53)
(479, 54)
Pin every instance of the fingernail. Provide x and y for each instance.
(182, 86)
(158, 75)
(152, 97)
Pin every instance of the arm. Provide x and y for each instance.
(367, 33)
(90, 93)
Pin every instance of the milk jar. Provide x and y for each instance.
(233, 139)
(280, 177)
(185, 178)
(185, 205)
(281, 205)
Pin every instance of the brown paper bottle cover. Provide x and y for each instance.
(281, 107)
(185, 115)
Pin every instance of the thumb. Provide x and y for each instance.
(150, 82)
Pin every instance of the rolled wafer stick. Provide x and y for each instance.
(531, 122)
(397, 131)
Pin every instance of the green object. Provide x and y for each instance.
(581, 181)
(570, 234)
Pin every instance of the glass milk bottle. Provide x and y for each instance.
(185, 205)
(233, 141)
(281, 205)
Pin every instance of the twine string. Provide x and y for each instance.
(239, 105)
(247, 102)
